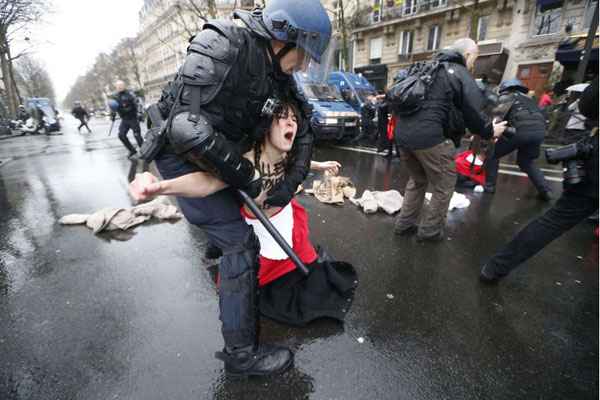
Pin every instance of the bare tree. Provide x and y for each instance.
(15, 16)
(33, 79)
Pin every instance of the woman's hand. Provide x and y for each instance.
(145, 187)
(499, 128)
(331, 167)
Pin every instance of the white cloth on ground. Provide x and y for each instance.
(389, 201)
(457, 201)
(110, 219)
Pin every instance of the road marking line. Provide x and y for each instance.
(502, 171)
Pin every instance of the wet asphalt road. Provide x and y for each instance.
(85, 317)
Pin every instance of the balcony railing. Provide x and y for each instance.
(369, 16)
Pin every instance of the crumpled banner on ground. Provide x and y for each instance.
(110, 219)
(333, 190)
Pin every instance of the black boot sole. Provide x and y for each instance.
(248, 374)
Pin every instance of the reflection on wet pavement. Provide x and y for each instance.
(101, 318)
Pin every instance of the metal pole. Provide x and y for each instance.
(273, 231)
(584, 60)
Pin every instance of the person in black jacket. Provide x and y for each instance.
(577, 202)
(22, 114)
(128, 108)
(82, 115)
(427, 152)
(530, 129)
(215, 109)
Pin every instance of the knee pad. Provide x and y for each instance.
(238, 293)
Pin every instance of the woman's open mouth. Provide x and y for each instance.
(289, 136)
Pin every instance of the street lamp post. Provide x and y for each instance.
(585, 56)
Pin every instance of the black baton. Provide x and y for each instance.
(273, 231)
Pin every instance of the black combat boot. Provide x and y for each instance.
(258, 360)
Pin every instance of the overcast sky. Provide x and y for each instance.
(71, 37)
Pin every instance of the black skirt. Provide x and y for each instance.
(295, 299)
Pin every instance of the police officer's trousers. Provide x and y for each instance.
(570, 209)
(124, 127)
(527, 153)
(219, 216)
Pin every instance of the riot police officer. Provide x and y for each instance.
(529, 127)
(213, 114)
(127, 105)
(82, 115)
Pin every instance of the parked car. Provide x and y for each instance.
(333, 118)
(44, 113)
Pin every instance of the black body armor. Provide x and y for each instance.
(524, 114)
(214, 106)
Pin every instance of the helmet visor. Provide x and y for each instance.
(315, 57)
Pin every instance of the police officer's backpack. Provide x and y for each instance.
(407, 95)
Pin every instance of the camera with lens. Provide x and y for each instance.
(572, 156)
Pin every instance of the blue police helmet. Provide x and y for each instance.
(113, 105)
(302, 23)
(513, 84)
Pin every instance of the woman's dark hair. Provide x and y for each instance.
(280, 112)
(283, 109)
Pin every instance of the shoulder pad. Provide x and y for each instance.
(228, 29)
(211, 55)
(506, 98)
(212, 43)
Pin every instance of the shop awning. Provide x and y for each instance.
(491, 66)
(546, 5)
(374, 73)
(569, 50)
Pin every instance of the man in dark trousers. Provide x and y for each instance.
(128, 108)
(425, 149)
(577, 202)
(229, 81)
(530, 129)
(82, 115)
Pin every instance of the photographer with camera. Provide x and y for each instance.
(525, 134)
(578, 201)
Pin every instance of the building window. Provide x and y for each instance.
(377, 10)
(482, 26)
(410, 7)
(405, 46)
(547, 22)
(438, 3)
(376, 50)
(433, 41)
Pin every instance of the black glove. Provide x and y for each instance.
(254, 187)
(280, 195)
(113, 117)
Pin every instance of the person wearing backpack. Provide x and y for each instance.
(435, 102)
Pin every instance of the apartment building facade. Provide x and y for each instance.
(516, 37)
(165, 29)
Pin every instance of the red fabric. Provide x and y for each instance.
(463, 167)
(545, 101)
(273, 269)
(391, 127)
